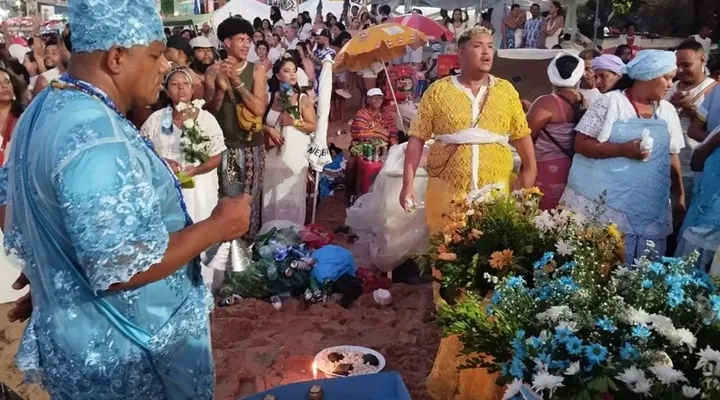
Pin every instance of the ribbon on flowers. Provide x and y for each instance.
(474, 137)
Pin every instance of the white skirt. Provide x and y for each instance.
(200, 202)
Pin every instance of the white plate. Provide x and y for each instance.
(356, 349)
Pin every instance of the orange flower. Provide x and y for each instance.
(476, 233)
(447, 256)
(500, 260)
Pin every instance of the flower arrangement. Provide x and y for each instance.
(193, 143)
(574, 332)
(493, 235)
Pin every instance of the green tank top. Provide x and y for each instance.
(236, 138)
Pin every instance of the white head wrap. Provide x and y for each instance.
(574, 78)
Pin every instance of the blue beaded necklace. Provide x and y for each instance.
(95, 92)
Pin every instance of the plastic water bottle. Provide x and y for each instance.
(267, 251)
(646, 143)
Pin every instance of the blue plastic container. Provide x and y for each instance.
(382, 386)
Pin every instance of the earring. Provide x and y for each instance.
(14, 98)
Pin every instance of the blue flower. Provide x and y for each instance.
(657, 268)
(574, 345)
(606, 324)
(647, 284)
(562, 334)
(641, 331)
(536, 342)
(715, 304)
(568, 266)
(489, 309)
(504, 369)
(596, 353)
(517, 368)
(567, 283)
(629, 352)
(516, 281)
(675, 297)
(496, 298)
(518, 344)
(545, 260)
(545, 358)
(543, 292)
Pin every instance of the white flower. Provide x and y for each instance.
(573, 369)
(631, 375)
(708, 356)
(554, 313)
(571, 325)
(642, 387)
(562, 217)
(512, 389)
(544, 222)
(667, 375)
(577, 219)
(198, 103)
(563, 248)
(180, 107)
(638, 316)
(185, 141)
(662, 324)
(189, 124)
(682, 336)
(543, 380)
(483, 194)
(690, 392)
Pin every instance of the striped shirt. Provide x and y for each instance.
(531, 32)
(365, 122)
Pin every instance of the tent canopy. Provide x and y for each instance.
(187, 20)
(248, 9)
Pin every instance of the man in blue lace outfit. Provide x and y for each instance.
(97, 222)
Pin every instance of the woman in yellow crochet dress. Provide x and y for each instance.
(474, 118)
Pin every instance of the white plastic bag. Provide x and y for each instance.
(387, 234)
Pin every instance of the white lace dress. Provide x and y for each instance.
(285, 181)
(203, 198)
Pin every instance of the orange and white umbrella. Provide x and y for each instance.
(379, 43)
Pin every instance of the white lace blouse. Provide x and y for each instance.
(168, 144)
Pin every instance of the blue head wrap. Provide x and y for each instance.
(102, 24)
(650, 64)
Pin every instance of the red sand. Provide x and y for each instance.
(257, 348)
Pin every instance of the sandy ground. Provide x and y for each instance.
(256, 347)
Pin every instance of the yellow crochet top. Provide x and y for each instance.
(446, 108)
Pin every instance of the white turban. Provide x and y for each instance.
(573, 79)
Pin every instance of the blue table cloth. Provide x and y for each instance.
(382, 386)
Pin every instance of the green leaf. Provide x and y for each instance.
(599, 384)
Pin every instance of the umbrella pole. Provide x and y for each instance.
(315, 195)
(392, 91)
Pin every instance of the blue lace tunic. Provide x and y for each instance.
(90, 205)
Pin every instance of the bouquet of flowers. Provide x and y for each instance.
(574, 331)
(493, 235)
(193, 143)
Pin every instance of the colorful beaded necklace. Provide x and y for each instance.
(68, 82)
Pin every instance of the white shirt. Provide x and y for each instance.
(614, 106)
(685, 122)
(252, 54)
(305, 32)
(292, 45)
(705, 43)
(212, 39)
(51, 74)
(275, 53)
(591, 95)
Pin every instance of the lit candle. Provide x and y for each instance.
(314, 367)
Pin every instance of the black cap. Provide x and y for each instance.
(180, 43)
(325, 32)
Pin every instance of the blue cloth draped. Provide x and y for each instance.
(90, 205)
(701, 228)
(638, 189)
